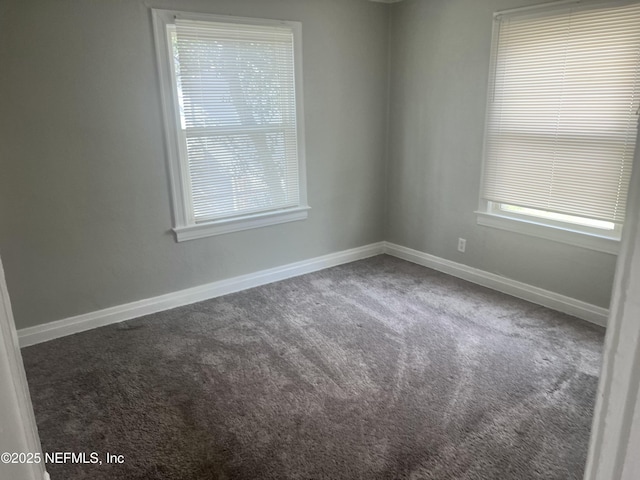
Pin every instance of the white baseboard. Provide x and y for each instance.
(80, 323)
(555, 301)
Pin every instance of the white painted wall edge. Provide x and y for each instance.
(555, 301)
(615, 433)
(19, 432)
(80, 323)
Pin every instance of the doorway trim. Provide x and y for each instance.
(615, 433)
(16, 410)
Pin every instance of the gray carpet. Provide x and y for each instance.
(379, 369)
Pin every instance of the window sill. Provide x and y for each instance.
(541, 230)
(246, 222)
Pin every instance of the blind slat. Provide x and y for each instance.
(561, 126)
(236, 85)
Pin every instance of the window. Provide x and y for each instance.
(563, 100)
(232, 101)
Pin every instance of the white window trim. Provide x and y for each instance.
(236, 224)
(567, 233)
(184, 226)
(490, 216)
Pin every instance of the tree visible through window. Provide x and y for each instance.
(236, 115)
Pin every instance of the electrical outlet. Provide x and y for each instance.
(462, 244)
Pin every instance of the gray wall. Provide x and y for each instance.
(84, 203)
(439, 69)
(84, 200)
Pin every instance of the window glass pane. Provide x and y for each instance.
(236, 86)
(561, 126)
(560, 217)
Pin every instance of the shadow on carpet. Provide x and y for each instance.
(378, 369)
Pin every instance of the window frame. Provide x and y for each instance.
(562, 232)
(490, 214)
(184, 225)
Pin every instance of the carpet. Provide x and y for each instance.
(378, 369)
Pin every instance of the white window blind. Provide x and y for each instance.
(236, 90)
(562, 115)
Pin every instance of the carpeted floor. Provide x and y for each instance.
(379, 369)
